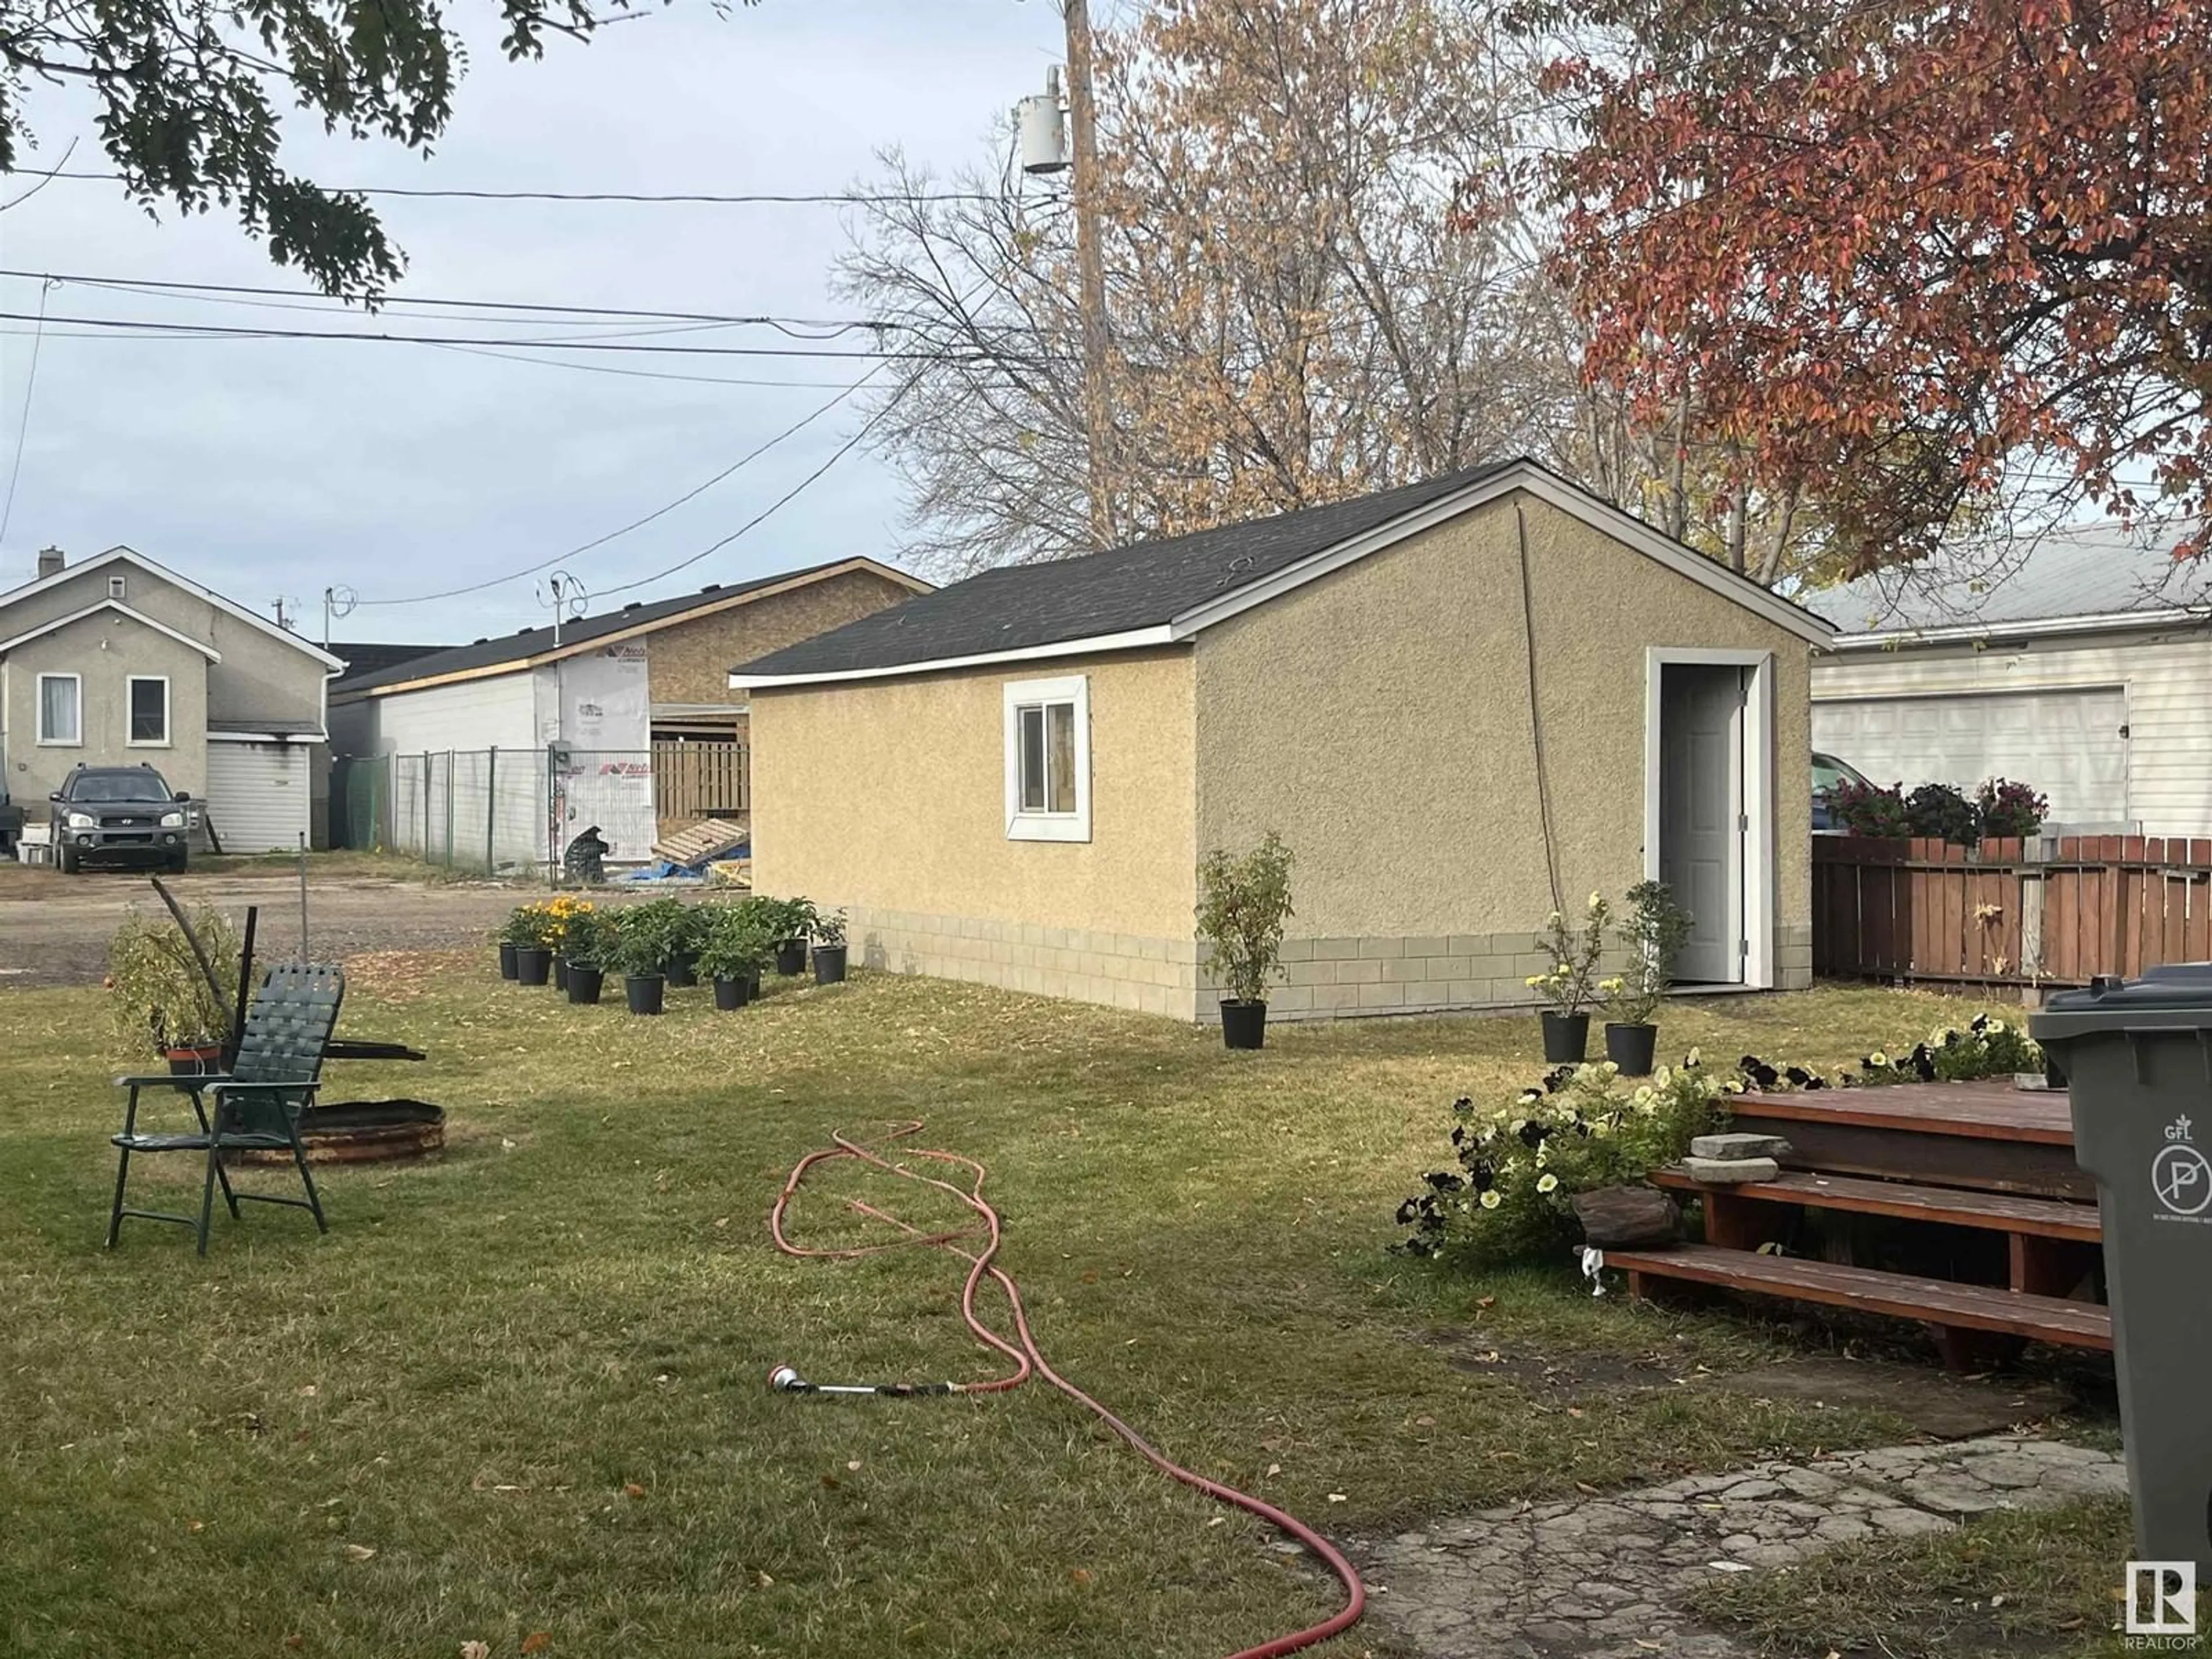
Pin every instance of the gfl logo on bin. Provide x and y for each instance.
(2180, 1175)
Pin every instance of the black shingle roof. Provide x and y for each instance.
(529, 642)
(361, 660)
(1140, 586)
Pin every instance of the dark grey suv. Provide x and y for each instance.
(118, 815)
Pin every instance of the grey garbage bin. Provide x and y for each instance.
(2137, 1056)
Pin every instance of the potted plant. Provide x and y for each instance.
(561, 911)
(829, 947)
(687, 937)
(1569, 983)
(1242, 903)
(158, 995)
(736, 948)
(1654, 931)
(641, 951)
(517, 930)
(792, 921)
(533, 951)
(588, 943)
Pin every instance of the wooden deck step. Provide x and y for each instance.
(1898, 1296)
(1989, 1135)
(2004, 1212)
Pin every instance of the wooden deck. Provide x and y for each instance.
(1988, 1156)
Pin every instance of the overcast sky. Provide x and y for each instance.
(269, 467)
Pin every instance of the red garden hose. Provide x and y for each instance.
(1028, 1360)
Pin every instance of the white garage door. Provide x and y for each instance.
(258, 795)
(2069, 744)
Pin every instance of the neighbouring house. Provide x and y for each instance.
(117, 661)
(1463, 703)
(363, 658)
(499, 751)
(2081, 665)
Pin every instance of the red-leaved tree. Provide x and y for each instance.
(1877, 261)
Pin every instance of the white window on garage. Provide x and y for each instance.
(1048, 759)
(2071, 745)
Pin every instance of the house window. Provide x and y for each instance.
(149, 710)
(1048, 759)
(61, 699)
(115, 587)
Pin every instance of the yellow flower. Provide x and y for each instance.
(1535, 981)
(1490, 1199)
(1547, 1183)
(1613, 984)
(1878, 1057)
(1596, 901)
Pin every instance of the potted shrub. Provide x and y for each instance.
(736, 948)
(1242, 903)
(158, 997)
(588, 942)
(688, 926)
(641, 951)
(1654, 931)
(533, 951)
(829, 947)
(792, 921)
(513, 933)
(1569, 983)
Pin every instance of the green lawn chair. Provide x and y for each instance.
(257, 1104)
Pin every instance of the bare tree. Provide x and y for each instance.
(1319, 283)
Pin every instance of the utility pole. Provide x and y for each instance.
(1090, 270)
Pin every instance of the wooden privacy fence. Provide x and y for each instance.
(702, 780)
(2042, 910)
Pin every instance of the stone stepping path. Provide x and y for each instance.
(1604, 1578)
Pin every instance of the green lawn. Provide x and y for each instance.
(529, 1377)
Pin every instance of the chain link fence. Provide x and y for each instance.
(495, 810)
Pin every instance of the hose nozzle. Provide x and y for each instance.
(784, 1380)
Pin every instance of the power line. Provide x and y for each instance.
(305, 300)
(770, 510)
(156, 328)
(665, 507)
(23, 426)
(825, 198)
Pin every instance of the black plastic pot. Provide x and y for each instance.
(682, 970)
(533, 964)
(560, 971)
(506, 960)
(1632, 1047)
(828, 964)
(733, 993)
(1244, 1024)
(791, 956)
(1566, 1038)
(643, 992)
(585, 984)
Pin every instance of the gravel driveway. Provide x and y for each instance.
(54, 928)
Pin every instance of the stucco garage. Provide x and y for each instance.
(1463, 703)
(2070, 743)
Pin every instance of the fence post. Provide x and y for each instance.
(453, 799)
(426, 807)
(491, 807)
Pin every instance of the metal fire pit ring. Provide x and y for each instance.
(363, 1132)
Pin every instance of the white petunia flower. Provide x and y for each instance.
(1490, 1199)
(1547, 1183)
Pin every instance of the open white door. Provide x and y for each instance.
(1702, 825)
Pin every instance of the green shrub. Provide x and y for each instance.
(737, 941)
(1243, 899)
(589, 938)
(158, 996)
(1571, 979)
(648, 935)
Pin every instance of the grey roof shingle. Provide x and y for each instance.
(361, 660)
(1147, 583)
(2088, 570)
(528, 643)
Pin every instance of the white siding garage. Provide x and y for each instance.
(2071, 745)
(259, 792)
